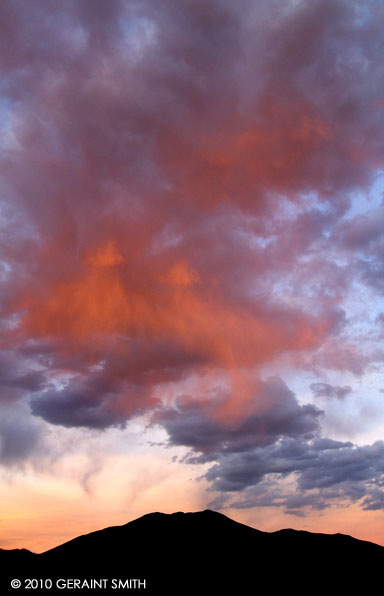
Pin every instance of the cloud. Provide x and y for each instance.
(362, 238)
(362, 231)
(17, 377)
(191, 422)
(277, 456)
(298, 475)
(329, 391)
(21, 437)
(176, 194)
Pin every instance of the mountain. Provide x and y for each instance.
(194, 553)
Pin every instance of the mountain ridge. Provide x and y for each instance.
(153, 514)
(167, 549)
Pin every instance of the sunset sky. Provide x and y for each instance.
(191, 264)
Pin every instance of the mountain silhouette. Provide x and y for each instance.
(194, 553)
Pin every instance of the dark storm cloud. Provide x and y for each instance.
(276, 414)
(325, 472)
(118, 388)
(78, 406)
(281, 442)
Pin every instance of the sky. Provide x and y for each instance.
(191, 264)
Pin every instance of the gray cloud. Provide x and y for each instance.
(77, 405)
(363, 238)
(191, 423)
(20, 436)
(330, 391)
(325, 472)
(17, 377)
(254, 459)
